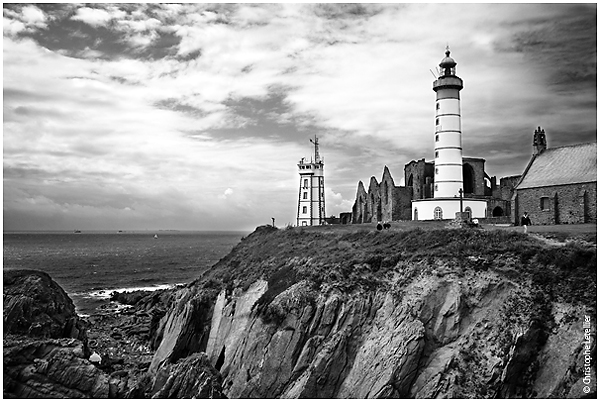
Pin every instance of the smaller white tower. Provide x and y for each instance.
(311, 195)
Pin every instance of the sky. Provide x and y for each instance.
(194, 116)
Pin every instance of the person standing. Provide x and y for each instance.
(525, 221)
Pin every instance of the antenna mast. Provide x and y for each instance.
(316, 142)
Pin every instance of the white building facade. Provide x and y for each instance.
(311, 194)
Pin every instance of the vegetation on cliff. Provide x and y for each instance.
(368, 259)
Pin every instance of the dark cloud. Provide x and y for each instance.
(178, 106)
(75, 38)
(351, 11)
(122, 80)
(563, 48)
(14, 94)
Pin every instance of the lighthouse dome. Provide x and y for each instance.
(447, 62)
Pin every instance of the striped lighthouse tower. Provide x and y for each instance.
(448, 142)
(449, 201)
(311, 194)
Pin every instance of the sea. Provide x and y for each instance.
(89, 266)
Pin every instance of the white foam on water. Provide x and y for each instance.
(104, 294)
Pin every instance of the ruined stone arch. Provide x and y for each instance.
(468, 179)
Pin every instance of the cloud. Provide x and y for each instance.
(226, 193)
(196, 114)
(97, 16)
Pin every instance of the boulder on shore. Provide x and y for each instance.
(36, 306)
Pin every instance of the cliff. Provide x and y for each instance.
(328, 312)
(365, 314)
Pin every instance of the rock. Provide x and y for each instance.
(192, 377)
(36, 306)
(95, 358)
(51, 368)
(130, 298)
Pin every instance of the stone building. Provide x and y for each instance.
(559, 185)
(384, 201)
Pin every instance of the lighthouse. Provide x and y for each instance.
(448, 201)
(311, 193)
(448, 142)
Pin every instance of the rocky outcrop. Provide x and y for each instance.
(369, 318)
(54, 368)
(36, 306)
(191, 377)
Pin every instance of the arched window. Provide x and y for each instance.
(469, 212)
(303, 210)
(410, 181)
(305, 183)
(498, 211)
(438, 213)
(305, 195)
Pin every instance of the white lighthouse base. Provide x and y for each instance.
(425, 210)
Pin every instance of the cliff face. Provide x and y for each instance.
(453, 313)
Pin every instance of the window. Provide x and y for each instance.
(438, 213)
(435, 187)
(437, 106)
(303, 223)
(305, 195)
(437, 154)
(437, 122)
(437, 138)
(436, 171)
(469, 212)
(545, 203)
(305, 183)
(303, 210)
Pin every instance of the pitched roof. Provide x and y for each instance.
(564, 165)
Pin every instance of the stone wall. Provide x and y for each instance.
(566, 204)
(359, 209)
(507, 187)
(415, 176)
(478, 166)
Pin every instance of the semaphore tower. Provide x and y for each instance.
(311, 195)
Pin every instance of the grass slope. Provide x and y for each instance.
(366, 259)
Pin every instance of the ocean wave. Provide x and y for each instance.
(105, 294)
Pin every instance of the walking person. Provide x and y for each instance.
(525, 221)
